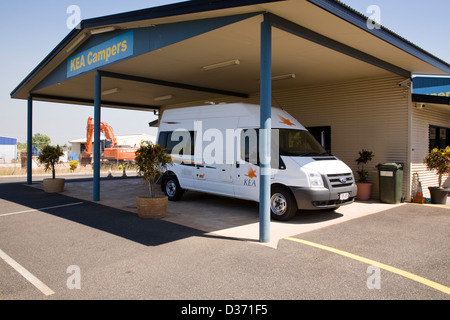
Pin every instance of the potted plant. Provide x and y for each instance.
(50, 157)
(151, 161)
(438, 160)
(363, 184)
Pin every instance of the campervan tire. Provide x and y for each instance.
(283, 205)
(172, 188)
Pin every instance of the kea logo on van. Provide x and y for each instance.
(252, 175)
(286, 121)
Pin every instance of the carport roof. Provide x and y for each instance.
(316, 40)
(431, 99)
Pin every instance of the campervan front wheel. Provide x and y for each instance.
(172, 188)
(283, 206)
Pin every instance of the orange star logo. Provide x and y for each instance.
(286, 121)
(251, 173)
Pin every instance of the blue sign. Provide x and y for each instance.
(105, 53)
(433, 86)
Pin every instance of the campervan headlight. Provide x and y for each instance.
(314, 178)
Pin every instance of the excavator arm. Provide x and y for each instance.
(86, 156)
(105, 128)
(109, 133)
(110, 153)
(89, 134)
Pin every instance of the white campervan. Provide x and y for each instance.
(215, 149)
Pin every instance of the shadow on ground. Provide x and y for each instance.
(107, 219)
(196, 214)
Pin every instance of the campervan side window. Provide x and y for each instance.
(179, 142)
(250, 146)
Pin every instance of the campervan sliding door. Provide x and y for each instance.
(246, 172)
(213, 173)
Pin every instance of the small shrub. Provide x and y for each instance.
(364, 157)
(50, 157)
(73, 165)
(439, 160)
(152, 161)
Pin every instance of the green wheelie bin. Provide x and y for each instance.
(391, 182)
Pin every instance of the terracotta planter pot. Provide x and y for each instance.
(364, 191)
(152, 208)
(439, 195)
(54, 185)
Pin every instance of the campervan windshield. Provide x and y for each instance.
(299, 143)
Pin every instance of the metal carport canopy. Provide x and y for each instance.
(182, 38)
(320, 41)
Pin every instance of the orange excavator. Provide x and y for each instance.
(112, 152)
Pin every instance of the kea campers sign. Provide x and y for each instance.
(107, 52)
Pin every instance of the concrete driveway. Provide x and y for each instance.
(222, 216)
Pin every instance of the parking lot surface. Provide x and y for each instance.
(61, 247)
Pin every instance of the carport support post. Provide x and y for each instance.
(30, 141)
(97, 114)
(266, 126)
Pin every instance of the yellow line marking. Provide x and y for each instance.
(431, 205)
(380, 265)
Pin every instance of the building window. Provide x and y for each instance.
(322, 135)
(439, 137)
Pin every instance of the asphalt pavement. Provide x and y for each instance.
(77, 249)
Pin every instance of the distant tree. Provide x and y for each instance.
(40, 141)
(21, 146)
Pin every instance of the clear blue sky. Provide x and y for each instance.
(31, 29)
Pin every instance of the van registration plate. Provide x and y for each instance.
(344, 196)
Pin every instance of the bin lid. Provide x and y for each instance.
(390, 166)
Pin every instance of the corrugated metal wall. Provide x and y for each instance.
(421, 120)
(369, 114)
(365, 113)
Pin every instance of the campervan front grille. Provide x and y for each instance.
(340, 180)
